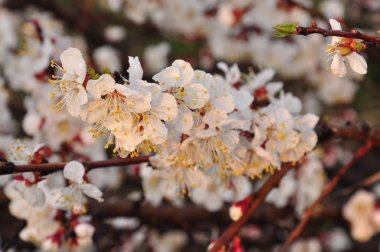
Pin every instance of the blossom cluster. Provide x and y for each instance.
(363, 215)
(201, 126)
(52, 210)
(208, 135)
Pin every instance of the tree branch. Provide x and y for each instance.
(308, 214)
(356, 131)
(258, 199)
(355, 34)
(9, 167)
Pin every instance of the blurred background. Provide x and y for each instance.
(202, 33)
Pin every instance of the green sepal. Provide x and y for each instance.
(284, 30)
(93, 74)
(106, 70)
(358, 46)
(280, 34)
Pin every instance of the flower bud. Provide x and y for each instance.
(84, 230)
(238, 209)
(50, 245)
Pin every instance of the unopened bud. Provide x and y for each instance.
(238, 209)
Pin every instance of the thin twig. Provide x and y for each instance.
(308, 214)
(258, 199)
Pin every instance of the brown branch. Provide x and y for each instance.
(356, 131)
(258, 199)
(9, 167)
(355, 34)
(308, 214)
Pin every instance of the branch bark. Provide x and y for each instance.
(258, 199)
(308, 214)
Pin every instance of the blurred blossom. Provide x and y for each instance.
(115, 33)
(332, 9)
(337, 240)
(310, 245)
(360, 211)
(107, 56)
(156, 57)
(170, 241)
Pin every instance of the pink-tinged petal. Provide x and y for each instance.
(357, 63)
(337, 66)
(234, 74)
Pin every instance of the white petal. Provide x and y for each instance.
(155, 130)
(185, 69)
(337, 66)
(184, 120)
(35, 196)
(167, 77)
(78, 99)
(243, 99)
(215, 118)
(263, 77)
(135, 70)
(274, 87)
(92, 191)
(308, 120)
(357, 63)
(138, 99)
(74, 171)
(222, 66)
(196, 96)
(335, 25)
(130, 141)
(73, 62)
(164, 106)
(104, 85)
